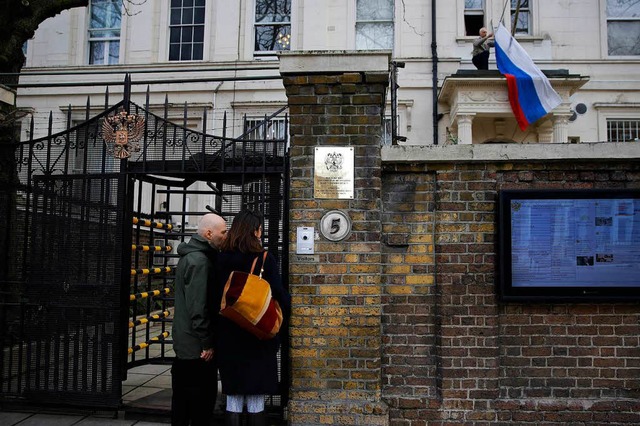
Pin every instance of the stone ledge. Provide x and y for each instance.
(510, 152)
(333, 61)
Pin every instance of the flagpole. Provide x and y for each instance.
(503, 10)
(514, 24)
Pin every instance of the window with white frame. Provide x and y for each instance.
(623, 27)
(387, 134)
(186, 30)
(259, 129)
(623, 130)
(105, 19)
(473, 17)
(272, 27)
(521, 16)
(374, 24)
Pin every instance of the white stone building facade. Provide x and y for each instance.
(192, 50)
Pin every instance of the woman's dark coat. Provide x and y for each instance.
(248, 366)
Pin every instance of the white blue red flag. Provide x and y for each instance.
(530, 93)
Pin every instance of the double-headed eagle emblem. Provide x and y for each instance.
(333, 161)
(121, 133)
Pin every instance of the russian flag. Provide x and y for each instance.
(530, 93)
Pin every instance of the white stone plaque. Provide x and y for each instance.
(333, 173)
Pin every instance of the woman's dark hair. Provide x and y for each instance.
(241, 235)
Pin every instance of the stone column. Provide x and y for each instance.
(465, 136)
(336, 99)
(560, 129)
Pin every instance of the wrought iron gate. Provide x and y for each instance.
(95, 241)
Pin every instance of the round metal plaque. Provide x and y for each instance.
(335, 225)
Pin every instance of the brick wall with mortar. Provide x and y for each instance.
(400, 323)
(335, 339)
(453, 354)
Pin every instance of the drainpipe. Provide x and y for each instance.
(434, 71)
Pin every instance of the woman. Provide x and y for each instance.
(248, 366)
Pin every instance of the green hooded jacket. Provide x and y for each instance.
(192, 324)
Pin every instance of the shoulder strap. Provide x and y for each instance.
(253, 265)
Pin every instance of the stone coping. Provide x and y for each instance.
(333, 61)
(510, 152)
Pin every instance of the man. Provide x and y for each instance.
(480, 53)
(193, 374)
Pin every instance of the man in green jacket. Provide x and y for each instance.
(194, 380)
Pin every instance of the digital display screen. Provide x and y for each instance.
(569, 244)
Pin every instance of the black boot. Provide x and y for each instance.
(232, 419)
(257, 419)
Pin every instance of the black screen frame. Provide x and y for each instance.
(509, 292)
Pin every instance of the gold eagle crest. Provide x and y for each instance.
(121, 133)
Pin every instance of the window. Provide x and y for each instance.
(521, 16)
(623, 27)
(387, 134)
(259, 129)
(374, 24)
(623, 130)
(104, 31)
(186, 30)
(272, 25)
(473, 17)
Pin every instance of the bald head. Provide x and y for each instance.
(213, 228)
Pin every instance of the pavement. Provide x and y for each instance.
(146, 401)
(146, 398)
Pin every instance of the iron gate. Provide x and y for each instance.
(95, 239)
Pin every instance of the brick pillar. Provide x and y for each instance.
(336, 99)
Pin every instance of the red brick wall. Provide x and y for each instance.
(452, 353)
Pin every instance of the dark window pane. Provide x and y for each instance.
(176, 3)
(197, 50)
(187, 16)
(187, 35)
(273, 11)
(185, 55)
(175, 16)
(272, 37)
(174, 52)
(472, 24)
(200, 3)
(187, 3)
(198, 34)
(198, 17)
(174, 36)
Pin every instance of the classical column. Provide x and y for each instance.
(465, 136)
(560, 129)
(545, 134)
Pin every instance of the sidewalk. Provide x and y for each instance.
(146, 402)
